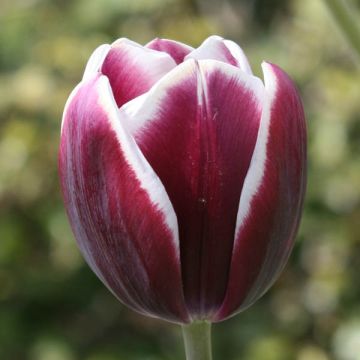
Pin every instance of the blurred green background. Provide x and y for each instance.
(52, 307)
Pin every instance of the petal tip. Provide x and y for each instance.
(96, 60)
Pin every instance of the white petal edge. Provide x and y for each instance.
(237, 52)
(67, 104)
(148, 179)
(92, 68)
(96, 60)
(256, 170)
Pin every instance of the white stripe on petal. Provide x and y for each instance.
(257, 166)
(150, 182)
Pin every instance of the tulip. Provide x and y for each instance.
(183, 177)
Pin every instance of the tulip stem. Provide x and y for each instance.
(197, 339)
(347, 22)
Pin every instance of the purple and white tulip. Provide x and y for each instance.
(183, 175)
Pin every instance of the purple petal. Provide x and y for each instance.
(119, 210)
(272, 196)
(227, 51)
(133, 69)
(175, 49)
(197, 128)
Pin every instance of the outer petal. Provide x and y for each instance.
(132, 69)
(215, 47)
(96, 60)
(197, 128)
(175, 49)
(120, 213)
(272, 196)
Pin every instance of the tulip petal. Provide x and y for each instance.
(272, 196)
(241, 59)
(175, 49)
(216, 48)
(95, 62)
(119, 210)
(132, 69)
(197, 128)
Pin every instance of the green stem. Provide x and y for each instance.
(346, 21)
(197, 339)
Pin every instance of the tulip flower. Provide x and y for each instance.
(183, 177)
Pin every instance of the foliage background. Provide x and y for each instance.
(52, 307)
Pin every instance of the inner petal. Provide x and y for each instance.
(133, 69)
(216, 48)
(175, 49)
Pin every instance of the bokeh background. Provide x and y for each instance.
(52, 307)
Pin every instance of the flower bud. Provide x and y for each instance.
(183, 175)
